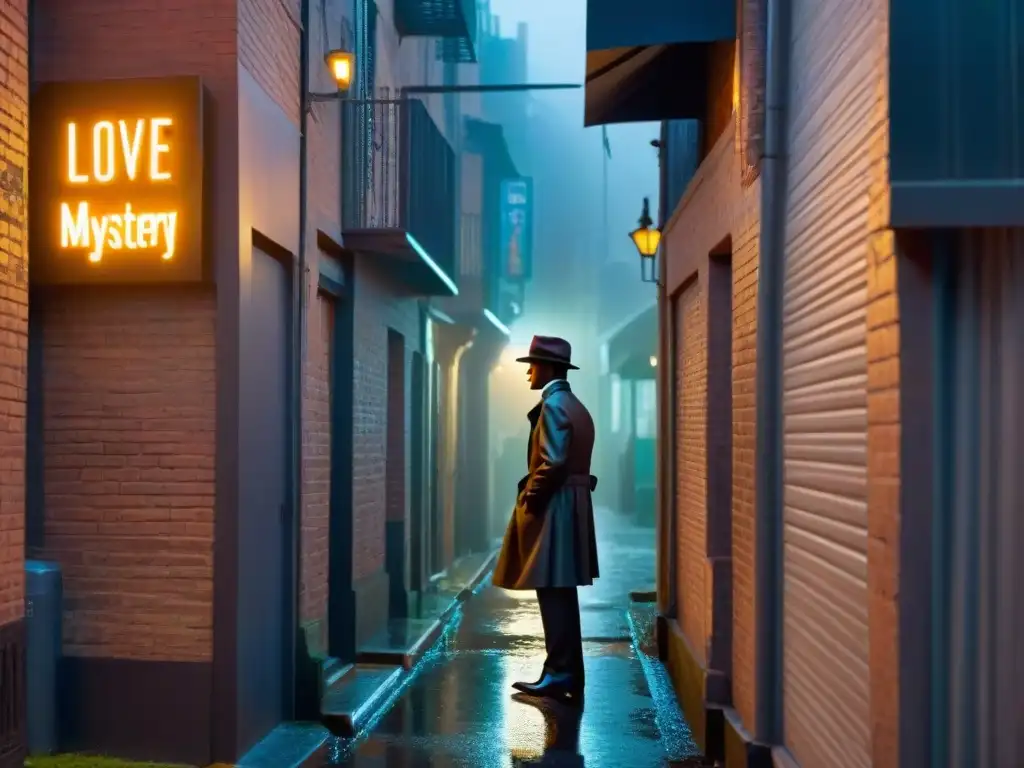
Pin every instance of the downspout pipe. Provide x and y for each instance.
(769, 468)
(666, 437)
(299, 291)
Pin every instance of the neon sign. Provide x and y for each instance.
(117, 151)
(119, 182)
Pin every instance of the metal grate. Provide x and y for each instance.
(12, 694)
(456, 50)
(399, 173)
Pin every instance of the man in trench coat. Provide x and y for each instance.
(550, 545)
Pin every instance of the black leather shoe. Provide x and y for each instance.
(524, 686)
(562, 687)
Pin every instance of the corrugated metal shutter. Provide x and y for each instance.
(979, 565)
(690, 482)
(825, 662)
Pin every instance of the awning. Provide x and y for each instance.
(647, 60)
(488, 139)
(631, 348)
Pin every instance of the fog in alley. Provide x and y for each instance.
(589, 185)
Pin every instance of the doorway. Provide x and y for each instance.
(394, 543)
(266, 537)
(341, 603)
(417, 485)
(719, 452)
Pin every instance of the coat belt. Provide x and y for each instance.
(587, 481)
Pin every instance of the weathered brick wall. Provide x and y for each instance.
(324, 213)
(717, 206)
(268, 47)
(138, 524)
(129, 436)
(377, 308)
(691, 451)
(13, 304)
(397, 383)
(746, 245)
(316, 469)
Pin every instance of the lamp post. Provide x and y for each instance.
(647, 237)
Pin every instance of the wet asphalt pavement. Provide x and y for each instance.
(457, 710)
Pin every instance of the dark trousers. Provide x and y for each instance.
(563, 638)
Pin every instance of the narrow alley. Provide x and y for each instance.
(457, 710)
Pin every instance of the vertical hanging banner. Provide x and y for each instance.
(516, 229)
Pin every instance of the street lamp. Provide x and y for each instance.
(342, 66)
(647, 238)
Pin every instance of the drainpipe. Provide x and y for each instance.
(666, 437)
(453, 444)
(299, 290)
(769, 468)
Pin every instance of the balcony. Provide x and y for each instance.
(453, 20)
(398, 192)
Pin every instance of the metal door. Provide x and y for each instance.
(265, 522)
(979, 603)
(825, 691)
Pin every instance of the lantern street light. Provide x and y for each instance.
(342, 66)
(647, 238)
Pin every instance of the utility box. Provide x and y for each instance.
(43, 617)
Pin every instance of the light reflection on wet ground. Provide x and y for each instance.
(458, 713)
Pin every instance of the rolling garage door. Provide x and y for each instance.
(825, 659)
(979, 567)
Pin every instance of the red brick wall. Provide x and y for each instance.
(396, 427)
(268, 47)
(316, 469)
(324, 209)
(376, 309)
(746, 235)
(691, 475)
(95, 39)
(716, 207)
(13, 306)
(129, 436)
(150, 354)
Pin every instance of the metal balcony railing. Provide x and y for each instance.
(454, 20)
(398, 173)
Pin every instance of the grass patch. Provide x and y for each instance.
(89, 761)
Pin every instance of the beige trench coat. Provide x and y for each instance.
(550, 540)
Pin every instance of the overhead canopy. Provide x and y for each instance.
(633, 344)
(488, 139)
(647, 60)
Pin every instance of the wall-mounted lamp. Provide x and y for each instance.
(647, 238)
(342, 66)
(654, 361)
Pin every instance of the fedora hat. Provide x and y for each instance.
(549, 349)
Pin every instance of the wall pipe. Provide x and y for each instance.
(299, 291)
(664, 446)
(769, 468)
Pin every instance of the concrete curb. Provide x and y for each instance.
(478, 578)
(310, 741)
